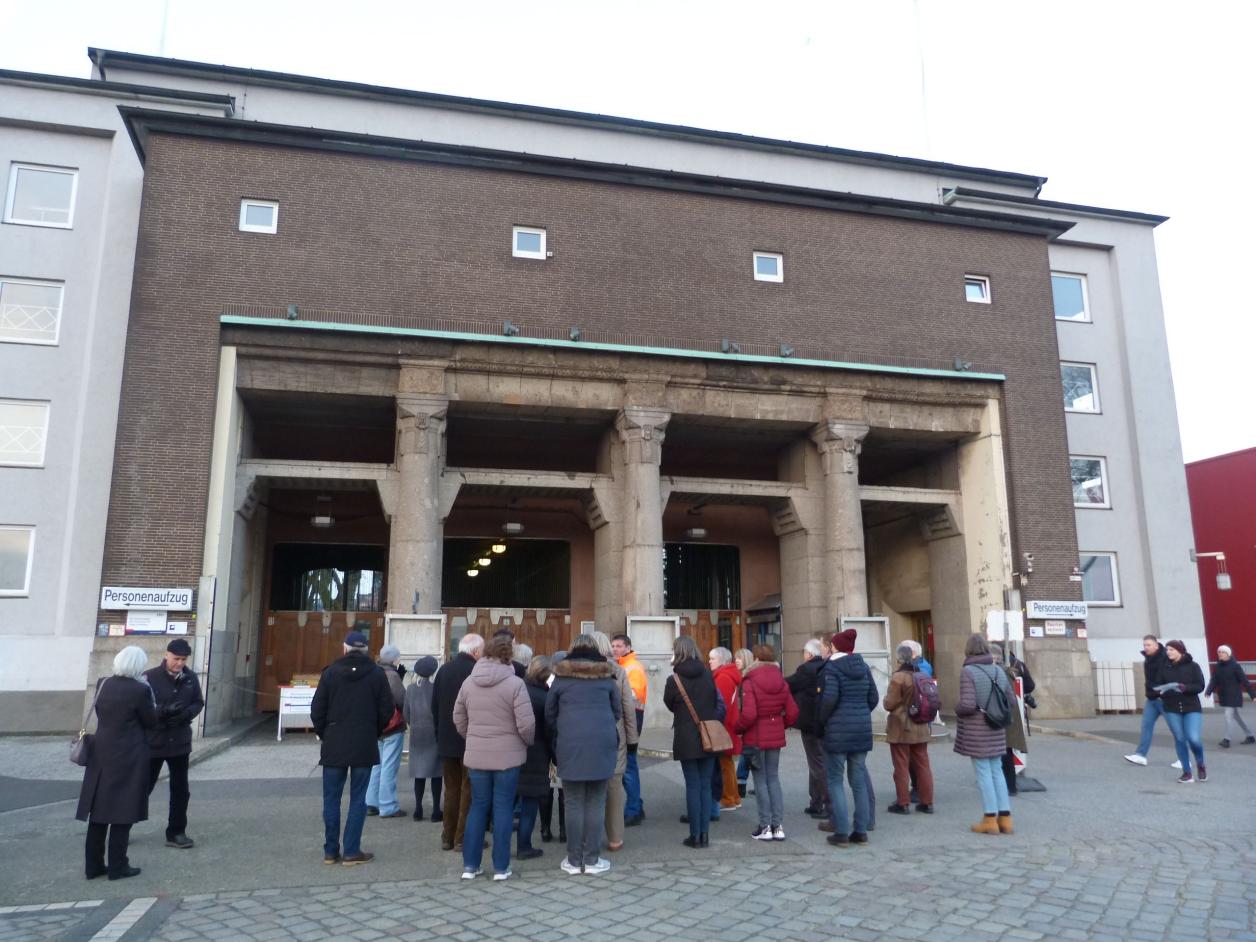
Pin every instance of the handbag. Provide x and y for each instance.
(82, 744)
(395, 725)
(714, 736)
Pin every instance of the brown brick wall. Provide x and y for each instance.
(396, 237)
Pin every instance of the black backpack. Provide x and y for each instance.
(997, 710)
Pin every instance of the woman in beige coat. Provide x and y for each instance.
(616, 797)
(909, 740)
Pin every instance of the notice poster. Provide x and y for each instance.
(145, 622)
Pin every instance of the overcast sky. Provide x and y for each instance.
(1135, 105)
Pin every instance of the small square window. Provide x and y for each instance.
(1069, 297)
(23, 432)
(259, 216)
(1090, 481)
(1101, 584)
(30, 311)
(17, 550)
(528, 243)
(1081, 387)
(977, 288)
(769, 266)
(41, 196)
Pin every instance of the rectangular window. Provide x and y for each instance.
(41, 196)
(528, 243)
(30, 311)
(977, 289)
(769, 266)
(23, 432)
(1068, 294)
(1100, 582)
(17, 550)
(701, 575)
(1081, 387)
(259, 216)
(1090, 481)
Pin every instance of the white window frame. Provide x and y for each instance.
(1094, 387)
(780, 266)
(1103, 477)
(1085, 319)
(14, 168)
(56, 340)
(517, 252)
(43, 451)
(984, 282)
(272, 229)
(25, 591)
(1116, 578)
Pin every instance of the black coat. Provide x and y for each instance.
(115, 784)
(1228, 682)
(583, 710)
(1187, 673)
(449, 680)
(1152, 666)
(804, 684)
(179, 701)
(534, 779)
(700, 685)
(848, 695)
(352, 705)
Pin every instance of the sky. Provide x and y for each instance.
(1142, 105)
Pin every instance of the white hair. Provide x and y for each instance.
(130, 662)
(470, 644)
(523, 653)
(814, 648)
(390, 654)
(602, 641)
(721, 655)
(916, 649)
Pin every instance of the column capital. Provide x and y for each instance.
(420, 423)
(642, 430)
(834, 438)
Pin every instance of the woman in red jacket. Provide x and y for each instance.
(767, 709)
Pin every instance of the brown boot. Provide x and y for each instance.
(1005, 823)
(988, 825)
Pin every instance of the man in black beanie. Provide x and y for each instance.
(179, 701)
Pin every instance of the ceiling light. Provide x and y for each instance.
(499, 548)
(322, 522)
(695, 533)
(512, 528)
(484, 561)
(473, 573)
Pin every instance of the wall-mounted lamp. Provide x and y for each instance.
(513, 529)
(509, 329)
(1029, 562)
(292, 312)
(962, 365)
(727, 346)
(1224, 583)
(574, 333)
(499, 548)
(786, 350)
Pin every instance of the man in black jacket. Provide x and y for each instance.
(352, 707)
(450, 746)
(804, 684)
(1153, 709)
(177, 693)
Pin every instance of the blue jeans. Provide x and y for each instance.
(852, 766)
(632, 781)
(992, 784)
(1152, 711)
(381, 792)
(697, 774)
(495, 789)
(743, 770)
(529, 808)
(333, 788)
(1187, 729)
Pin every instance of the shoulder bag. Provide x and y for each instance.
(81, 745)
(714, 736)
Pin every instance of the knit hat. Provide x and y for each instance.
(844, 641)
(355, 639)
(179, 648)
(425, 666)
(1176, 645)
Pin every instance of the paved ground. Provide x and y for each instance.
(1109, 851)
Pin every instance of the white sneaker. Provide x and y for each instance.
(505, 875)
(778, 833)
(601, 865)
(1176, 764)
(762, 834)
(471, 874)
(1136, 758)
(568, 867)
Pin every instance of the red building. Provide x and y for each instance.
(1223, 507)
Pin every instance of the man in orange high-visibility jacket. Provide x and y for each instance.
(621, 647)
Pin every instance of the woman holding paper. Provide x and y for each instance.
(1182, 682)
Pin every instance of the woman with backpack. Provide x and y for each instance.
(910, 702)
(983, 714)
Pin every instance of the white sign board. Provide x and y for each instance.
(116, 597)
(1078, 611)
(1005, 626)
(1057, 629)
(142, 622)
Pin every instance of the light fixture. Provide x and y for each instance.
(509, 329)
(473, 573)
(484, 561)
(322, 521)
(514, 529)
(786, 350)
(695, 533)
(574, 333)
(1224, 582)
(962, 365)
(1075, 575)
(499, 548)
(292, 312)
(727, 346)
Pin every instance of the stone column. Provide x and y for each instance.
(847, 589)
(641, 434)
(417, 535)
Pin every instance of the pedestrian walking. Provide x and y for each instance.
(583, 711)
(424, 756)
(848, 695)
(381, 790)
(114, 793)
(628, 738)
(976, 738)
(728, 681)
(626, 657)
(804, 684)
(352, 707)
(1226, 685)
(1181, 683)
(767, 710)
(1154, 660)
(908, 738)
(691, 686)
(449, 743)
(177, 692)
(493, 714)
(534, 777)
